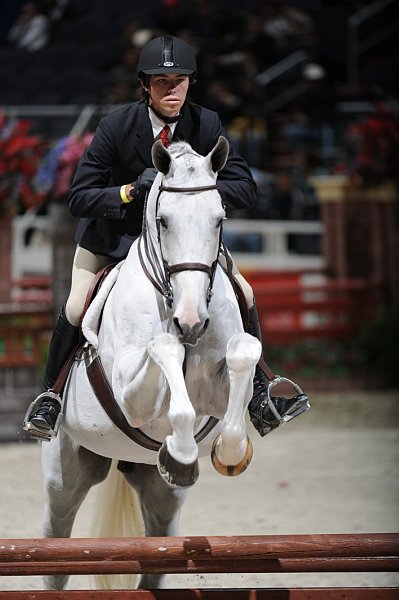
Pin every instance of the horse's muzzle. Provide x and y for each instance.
(188, 334)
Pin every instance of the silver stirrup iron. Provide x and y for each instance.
(36, 433)
(278, 379)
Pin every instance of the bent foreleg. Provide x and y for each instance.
(177, 459)
(232, 449)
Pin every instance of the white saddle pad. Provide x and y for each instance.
(91, 320)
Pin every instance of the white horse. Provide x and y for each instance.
(173, 348)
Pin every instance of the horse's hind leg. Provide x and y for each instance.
(69, 471)
(161, 507)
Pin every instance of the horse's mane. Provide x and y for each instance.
(180, 148)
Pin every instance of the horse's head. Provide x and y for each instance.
(188, 213)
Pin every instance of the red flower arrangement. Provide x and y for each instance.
(68, 162)
(32, 170)
(373, 147)
(20, 155)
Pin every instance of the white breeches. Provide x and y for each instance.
(85, 266)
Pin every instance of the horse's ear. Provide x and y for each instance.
(160, 157)
(219, 154)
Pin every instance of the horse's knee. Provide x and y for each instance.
(165, 345)
(243, 351)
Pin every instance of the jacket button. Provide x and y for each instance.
(109, 213)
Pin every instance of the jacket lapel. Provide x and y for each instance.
(144, 136)
(186, 130)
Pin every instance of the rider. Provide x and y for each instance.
(108, 194)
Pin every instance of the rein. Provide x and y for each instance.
(160, 276)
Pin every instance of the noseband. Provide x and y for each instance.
(161, 277)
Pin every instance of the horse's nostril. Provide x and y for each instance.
(177, 324)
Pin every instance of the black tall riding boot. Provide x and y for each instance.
(41, 418)
(264, 417)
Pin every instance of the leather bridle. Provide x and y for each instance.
(160, 275)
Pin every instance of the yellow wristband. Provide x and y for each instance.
(122, 192)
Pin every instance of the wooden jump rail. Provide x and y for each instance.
(215, 554)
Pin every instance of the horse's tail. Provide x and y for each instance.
(116, 513)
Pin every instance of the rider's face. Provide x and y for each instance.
(168, 93)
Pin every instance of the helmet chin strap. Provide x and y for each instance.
(165, 119)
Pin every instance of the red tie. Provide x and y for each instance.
(165, 136)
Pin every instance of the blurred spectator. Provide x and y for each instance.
(56, 9)
(222, 100)
(126, 70)
(289, 27)
(121, 92)
(31, 31)
(306, 162)
(258, 43)
(283, 196)
(249, 136)
(298, 130)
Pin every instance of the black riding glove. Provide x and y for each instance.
(143, 183)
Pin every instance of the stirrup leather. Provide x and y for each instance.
(284, 418)
(35, 432)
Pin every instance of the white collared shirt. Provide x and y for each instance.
(158, 125)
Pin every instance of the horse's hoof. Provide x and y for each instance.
(232, 470)
(176, 474)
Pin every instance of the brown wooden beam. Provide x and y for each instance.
(194, 594)
(199, 548)
(284, 565)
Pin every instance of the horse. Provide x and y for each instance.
(167, 330)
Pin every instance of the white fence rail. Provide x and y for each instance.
(274, 240)
(267, 245)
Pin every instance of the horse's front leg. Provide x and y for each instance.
(178, 457)
(232, 449)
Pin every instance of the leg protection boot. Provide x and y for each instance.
(267, 413)
(41, 420)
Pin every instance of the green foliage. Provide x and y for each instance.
(374, 353)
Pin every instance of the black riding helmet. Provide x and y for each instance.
(167, 54)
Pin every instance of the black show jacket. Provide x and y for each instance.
(118, 154)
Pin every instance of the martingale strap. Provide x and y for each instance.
(101, 387)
